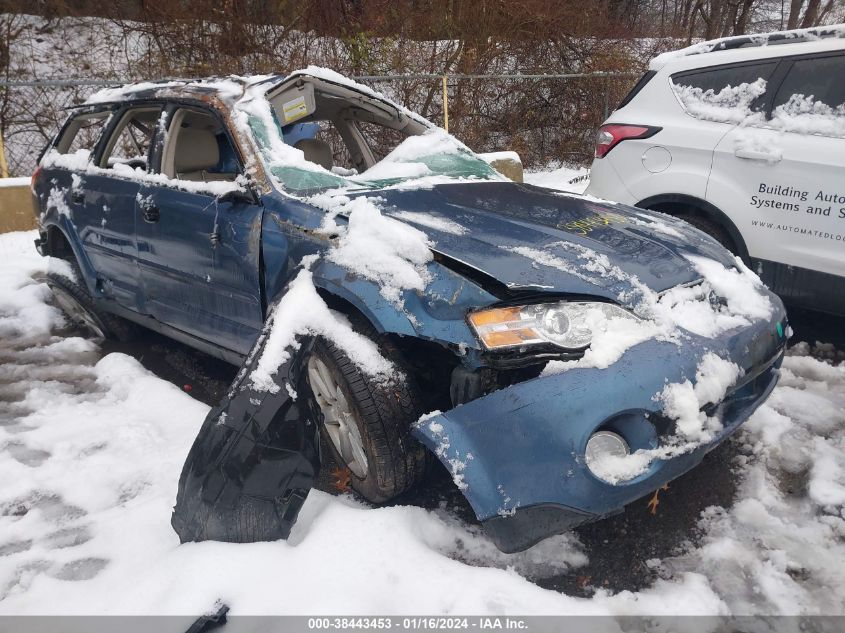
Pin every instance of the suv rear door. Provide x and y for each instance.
(105, 200)
(198, 249)
(781, 180)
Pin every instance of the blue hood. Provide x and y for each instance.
(500, 217)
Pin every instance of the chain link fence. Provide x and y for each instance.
(545, 118)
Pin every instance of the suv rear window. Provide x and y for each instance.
(717, 79)
(726, 94)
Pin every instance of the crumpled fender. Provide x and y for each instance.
(437, 315)
(254, 460)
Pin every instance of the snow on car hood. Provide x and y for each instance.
(532, 238)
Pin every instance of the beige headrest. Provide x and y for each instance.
(316, 151)
(196, 150)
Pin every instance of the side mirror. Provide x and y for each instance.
(239, 196)
(509, 164)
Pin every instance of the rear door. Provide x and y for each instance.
(105, 200)
(198, 242)
(63, 185)
(782, 181)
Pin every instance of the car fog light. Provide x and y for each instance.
(604, 444)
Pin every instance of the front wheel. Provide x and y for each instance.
(366, 423)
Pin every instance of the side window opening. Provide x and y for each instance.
(82, 133)
(130, 142)
(343, 158)
(379, 138)
(198, 149)
(330, 144)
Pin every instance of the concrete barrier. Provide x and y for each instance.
(16, 209)
(509, 164)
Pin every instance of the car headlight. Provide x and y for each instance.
(567, 324)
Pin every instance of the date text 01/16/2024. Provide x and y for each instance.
(418, 623)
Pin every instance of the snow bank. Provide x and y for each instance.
(24, 311)
(779, 549)
(560, 177)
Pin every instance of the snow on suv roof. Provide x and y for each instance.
(228, 87)
(802, 40)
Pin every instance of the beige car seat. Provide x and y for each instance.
(316, 151)
(197, 152)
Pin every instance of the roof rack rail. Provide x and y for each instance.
(778, 37)
(741, 41)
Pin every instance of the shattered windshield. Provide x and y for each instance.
(432, 154)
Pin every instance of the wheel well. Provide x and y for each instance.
(57, 245)
(677, 204)
(431, 362)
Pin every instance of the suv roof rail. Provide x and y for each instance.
(794, 36)
(778, 37)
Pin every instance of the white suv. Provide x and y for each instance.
(745, 140)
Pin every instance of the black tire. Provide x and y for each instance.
(383, 413)
(716, 231)
(75, 301)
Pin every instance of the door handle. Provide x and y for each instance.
(152, 215)
(750, 154)
(77, 197)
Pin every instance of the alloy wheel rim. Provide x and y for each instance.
(77, 312)
(338, 417)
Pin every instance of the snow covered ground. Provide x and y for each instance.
(560, 177)
(91, 447)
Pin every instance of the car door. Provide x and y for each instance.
(76, 193)
(105, 201)
(199, 237)
(782, 181)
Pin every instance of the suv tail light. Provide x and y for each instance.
(35, 175)
(610, 135)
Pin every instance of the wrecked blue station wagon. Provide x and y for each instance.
(535, 355)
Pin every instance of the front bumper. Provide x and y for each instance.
(518, 453)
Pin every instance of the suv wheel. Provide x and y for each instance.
(712, 229)
(73, 298)
(365, 425)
